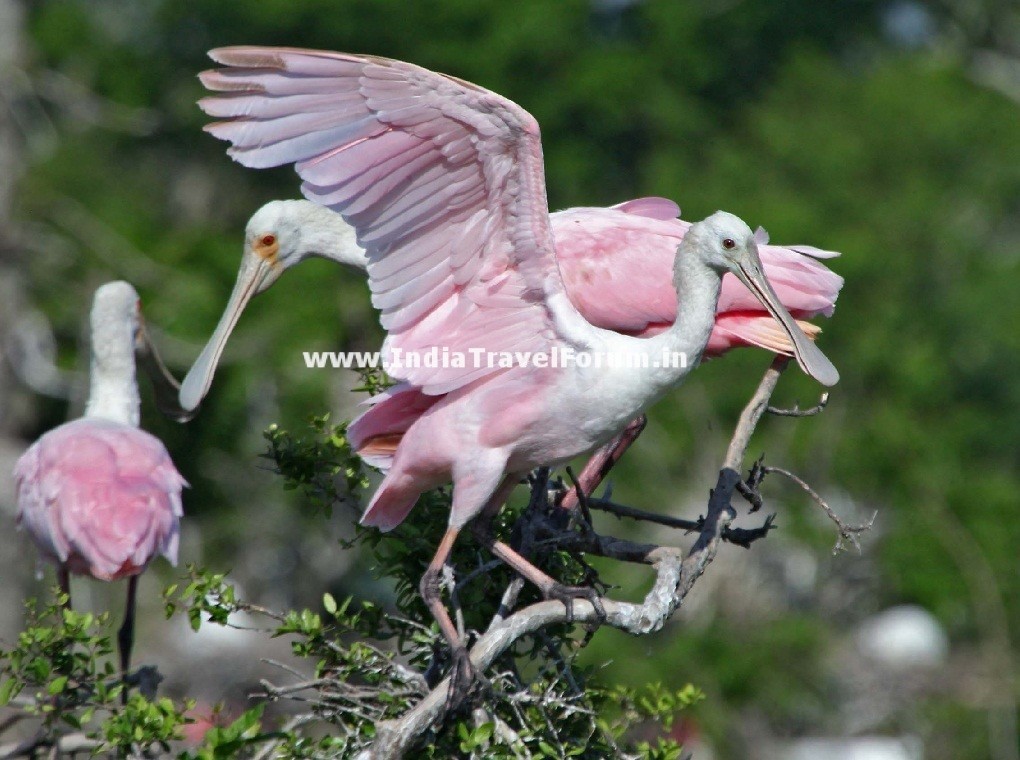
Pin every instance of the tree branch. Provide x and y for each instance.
(849, 533)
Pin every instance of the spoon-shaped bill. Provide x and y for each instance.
(164, 384)
(809, 356)
(251, 279)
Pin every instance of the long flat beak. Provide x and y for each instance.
(254, 270)
(808, 355)
(164, 384)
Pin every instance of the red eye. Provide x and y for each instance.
(268, 240)
(729, 244)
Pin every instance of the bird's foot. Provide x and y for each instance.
(463, 680)
(567, 595)
(146, 679)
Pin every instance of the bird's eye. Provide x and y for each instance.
(268, 240)
(729, 244)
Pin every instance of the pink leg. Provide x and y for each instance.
(549, 586)
(461, 672)
(429, 588)
(602, 461)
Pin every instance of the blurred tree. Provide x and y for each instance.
(885, 129)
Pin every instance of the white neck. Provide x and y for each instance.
(113, 391)
(325, 234)
(697, 290)
(645, 367)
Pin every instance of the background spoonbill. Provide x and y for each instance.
(98, 495)
(616, 265)
(443, 183)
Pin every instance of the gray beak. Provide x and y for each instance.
(253, 276)
(808, 355)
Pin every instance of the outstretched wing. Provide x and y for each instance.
(442, 180)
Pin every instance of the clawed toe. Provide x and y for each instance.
(463, 678)
(567, 595)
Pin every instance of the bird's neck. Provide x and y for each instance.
(325, 234)
(113, 390)
(645, 369)
(697, 292)
(679, 349)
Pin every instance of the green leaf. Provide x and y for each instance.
(8, 690)
(329, 603)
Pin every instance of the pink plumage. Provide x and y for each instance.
(617, 266)
(97, 495)
(443, 184)
(100, 497)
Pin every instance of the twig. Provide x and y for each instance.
(509, 600)
(796, 411)
(738, 536)
(849, 533)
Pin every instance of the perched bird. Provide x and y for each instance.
(98, 495)
(616, 265)
(442, 181)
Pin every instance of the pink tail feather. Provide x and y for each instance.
(376, 434)
(392, 503)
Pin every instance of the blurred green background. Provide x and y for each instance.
(889, 131)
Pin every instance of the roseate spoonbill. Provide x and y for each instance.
(616, 265)
(443, 182)
(98, 495)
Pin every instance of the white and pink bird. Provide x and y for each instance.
(98, 495)
(442, 182)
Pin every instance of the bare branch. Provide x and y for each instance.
(739, 536)
(796, 411)
(66, 744)
(849, 533)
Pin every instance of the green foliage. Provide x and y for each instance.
(62, 654)
(142, 724)
(60, 672)
(220, 743)
(206, 596)
(322, 467)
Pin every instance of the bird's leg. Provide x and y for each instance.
(602, 461)
(549, 586)
(126, 635)
(64, 579)
(461, 670)
(430, 588)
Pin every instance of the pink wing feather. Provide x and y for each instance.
(442, 180)
(101, 497)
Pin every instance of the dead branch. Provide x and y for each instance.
(850, 533)
(796, 411)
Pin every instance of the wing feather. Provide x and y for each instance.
(441, 179)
